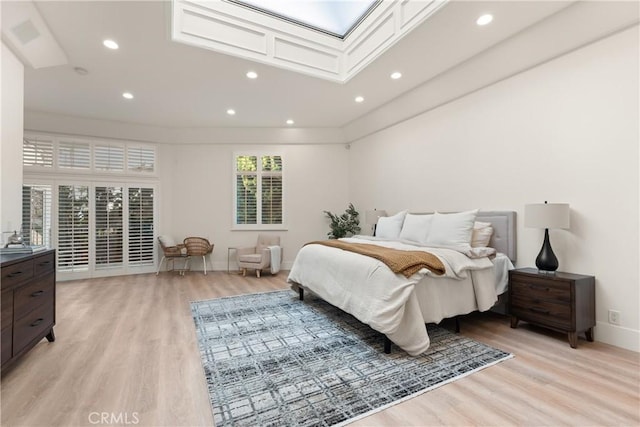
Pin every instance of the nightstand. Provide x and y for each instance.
(560, 301)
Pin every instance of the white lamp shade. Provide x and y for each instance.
(546, 215)
(371, 217)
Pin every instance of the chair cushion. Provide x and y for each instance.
(167, 241)
(253, 258)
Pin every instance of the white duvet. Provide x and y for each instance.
(370, 291)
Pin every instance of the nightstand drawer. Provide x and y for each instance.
(543, 312)
(31, 296)
(44, 264)
(544, 290)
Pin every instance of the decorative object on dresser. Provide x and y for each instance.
(546, 215)
(28, 302)
(371, 218)
(563, 302)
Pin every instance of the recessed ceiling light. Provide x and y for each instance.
(252, 75)
(110, 44)
(127, 95)
(396, 75)
(290, 122)
(359, 99)
(484, 19)
(231, 111)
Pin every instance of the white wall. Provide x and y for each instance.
(11, 144)
(197, 187)
(566, 131)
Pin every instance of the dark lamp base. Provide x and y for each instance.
(546, 260)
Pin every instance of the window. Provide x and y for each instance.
(74, 155)
(37, 151)
(258, 191)
(108, 158)
(73, 228)
(141, 159)
(141, 220)
(109, 241)
(36, 214)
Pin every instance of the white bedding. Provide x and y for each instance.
(388, 302)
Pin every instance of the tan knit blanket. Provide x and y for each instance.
(406, 263)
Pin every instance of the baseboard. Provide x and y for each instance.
(617, 335)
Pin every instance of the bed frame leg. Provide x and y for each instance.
(300, 293)
(387, 345)
(457, 324)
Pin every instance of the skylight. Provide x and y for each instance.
(335, 17)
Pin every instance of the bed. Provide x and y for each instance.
(399, 306)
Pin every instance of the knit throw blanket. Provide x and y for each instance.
(406, 263)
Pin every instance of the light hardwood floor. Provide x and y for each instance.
(126, 347)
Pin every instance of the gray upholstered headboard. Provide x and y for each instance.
(504, 231)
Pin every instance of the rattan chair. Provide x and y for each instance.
(172, 251)
(199, 246)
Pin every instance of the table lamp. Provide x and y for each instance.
(371, 218)
(546, 215)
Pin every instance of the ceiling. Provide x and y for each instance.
(180, 86)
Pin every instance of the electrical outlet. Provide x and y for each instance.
(614, 317)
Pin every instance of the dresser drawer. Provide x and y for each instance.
(16, 273)
(7, 308)
(29, 297)
(44, 264)
(536, 289)
(32, 325)
(6, 344)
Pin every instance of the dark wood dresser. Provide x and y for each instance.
(560, 301)
(28, 299)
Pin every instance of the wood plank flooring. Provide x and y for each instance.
(126, 347)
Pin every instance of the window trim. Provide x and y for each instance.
(259, 173)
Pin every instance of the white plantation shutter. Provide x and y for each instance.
(108, 158)
(73, 228)
(109, 235)
(141, 221)
(74, 155)
(36, 214)
(37, 151)
(258, 190)
(141, 159)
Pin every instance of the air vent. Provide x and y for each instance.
(25, 32)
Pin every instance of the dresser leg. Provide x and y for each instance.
(589, 334)
(514, 322)
(51, 337)
(573, 339)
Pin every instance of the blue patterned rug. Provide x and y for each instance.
(272, 360)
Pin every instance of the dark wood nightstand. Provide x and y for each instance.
(560, 301)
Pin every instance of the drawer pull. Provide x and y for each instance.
(37, 322)
(44, 263)
(14, 274)
(37, 293)
(544, 288)
(539, 310)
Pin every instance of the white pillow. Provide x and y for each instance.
(452, 229)
(389, 226)
(416, 228)
(481, 235)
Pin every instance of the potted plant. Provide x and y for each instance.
(344, 225)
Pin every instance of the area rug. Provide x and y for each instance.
(272, 360)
